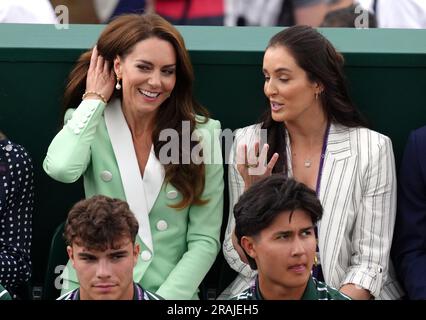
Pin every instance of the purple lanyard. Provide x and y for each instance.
(74, 295)
(138, 292)
(324, 148)
(317, 270)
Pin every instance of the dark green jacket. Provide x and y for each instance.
(315, 290)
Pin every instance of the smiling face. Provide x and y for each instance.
(148, 75)
(284, 252)
(105, 275)
(290, 92)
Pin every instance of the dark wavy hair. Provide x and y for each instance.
(322, 64)
(264, 201)
(99, 223)
(118, 39)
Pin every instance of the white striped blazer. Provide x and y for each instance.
(358, 194)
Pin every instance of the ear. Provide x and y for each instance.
(136, 251)
(319, 87)
(249, 246)
(70, 254)
(117, 66)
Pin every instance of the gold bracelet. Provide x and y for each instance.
(100, 95)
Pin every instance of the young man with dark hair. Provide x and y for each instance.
(101, 234)
(275, 221)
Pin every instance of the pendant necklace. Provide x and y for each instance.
(308, 161)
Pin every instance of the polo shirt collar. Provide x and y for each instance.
(310, 293)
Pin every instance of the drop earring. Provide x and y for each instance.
(118, 85)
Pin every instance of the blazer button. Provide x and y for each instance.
(162, 225)
(146, 255)
(106, 176)
(172, 194)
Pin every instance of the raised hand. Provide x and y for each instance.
(252, 166)
(100, 77)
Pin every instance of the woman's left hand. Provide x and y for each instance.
(252, 166)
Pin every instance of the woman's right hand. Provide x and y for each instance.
(252, 166)
(100, 77)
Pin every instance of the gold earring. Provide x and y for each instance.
(315, 260)
(118, 85)
(316, 95)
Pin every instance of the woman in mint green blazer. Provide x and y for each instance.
(137, 134)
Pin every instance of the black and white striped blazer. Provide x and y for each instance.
(358, 193)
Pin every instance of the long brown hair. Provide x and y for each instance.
(119, 39)
(322, 64)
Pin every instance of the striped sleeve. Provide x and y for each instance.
(236, 188)
(373, 229)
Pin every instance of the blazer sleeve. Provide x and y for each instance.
(204, 224)
(409, 247)
(374, 223)
(69, 152)
(236, 189)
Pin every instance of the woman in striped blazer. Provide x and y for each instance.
(313, 132)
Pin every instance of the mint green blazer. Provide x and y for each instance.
(185, 242)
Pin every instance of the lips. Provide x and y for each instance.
(104, 287)
(149, 94)
(276, 106)
(298, 268)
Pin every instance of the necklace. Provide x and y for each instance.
(307, 163)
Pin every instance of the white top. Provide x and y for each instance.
(256, 12)
(27, 11)
(402, 14)
(399, 13)
(105, 8)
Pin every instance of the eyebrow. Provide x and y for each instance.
(86, 255)
(151, 64)
(307, 228)
(289, 232)
(119, 252)
(280, 233)
(279, 70)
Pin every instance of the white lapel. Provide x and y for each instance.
(335, 193)
(140, 194)
(152, 179)
(288, 154)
